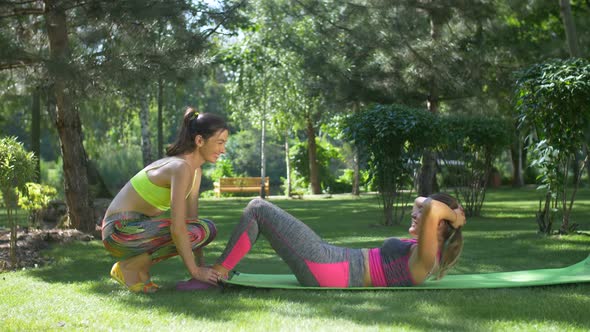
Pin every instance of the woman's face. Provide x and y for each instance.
(212, 148)
(414, 229)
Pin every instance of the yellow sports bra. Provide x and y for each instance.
(159, 197)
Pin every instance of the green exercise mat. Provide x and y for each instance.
(576, 273)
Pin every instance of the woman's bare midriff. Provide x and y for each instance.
(128, 200)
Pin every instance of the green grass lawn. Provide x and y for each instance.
(76, 293)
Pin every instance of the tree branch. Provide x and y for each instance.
(307, 9)
(23, 11)
(18, 63)
(15, 3)
(225, 18)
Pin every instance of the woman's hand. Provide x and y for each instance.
(460, 219)
(206, 274)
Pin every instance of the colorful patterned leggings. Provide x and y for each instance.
(129, 234)
(313, 261)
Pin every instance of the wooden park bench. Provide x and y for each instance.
(240, 185)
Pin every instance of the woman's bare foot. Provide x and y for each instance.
(222, 270)
(131, 277)
(136, 269)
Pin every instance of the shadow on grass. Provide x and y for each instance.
(416, 309)
(492, 245)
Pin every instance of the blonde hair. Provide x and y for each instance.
(453, 237)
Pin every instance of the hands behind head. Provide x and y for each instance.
(460, 219)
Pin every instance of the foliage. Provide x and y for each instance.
(37, 197)
(243, 150)
(394, 137)
(553, 102)
(468, 148)
(118, 163)
(326, 155)
(52, 175)
(17, 167)
(223, 168)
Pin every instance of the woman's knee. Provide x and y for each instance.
(258, 203)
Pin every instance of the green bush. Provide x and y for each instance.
(17, 167)
(223, 169)
(37, 197)
(468, 149)
(393, 137)
(553, 104)
(299, 184)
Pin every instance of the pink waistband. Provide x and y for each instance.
(376, 268)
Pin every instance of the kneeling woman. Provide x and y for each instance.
(133, 230)
(435, 247)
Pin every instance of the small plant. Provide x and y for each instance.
(36, 199)
(223, 168)
(17, 167)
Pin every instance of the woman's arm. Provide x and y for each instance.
(199, 257)
(192, 207)
(179, 182)
(192, 211)
(432, 217)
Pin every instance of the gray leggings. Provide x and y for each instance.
(313, 261)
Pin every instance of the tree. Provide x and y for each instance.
(17, 167)
(468, 148)
(82, 45)
(395, 136)
(265, 85)
(411, 52)
(553, 100)
(570, 29)
(67, 120)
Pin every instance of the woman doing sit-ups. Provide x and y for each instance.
(435, 247)
(133, 230)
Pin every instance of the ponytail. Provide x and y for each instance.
(193, 124)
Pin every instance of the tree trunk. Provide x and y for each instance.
(570, 28)
(314, 178)
(36, 132)
(67, 122)
(288, 165)
(427, 182)
(160, 153)
(263, 155)
(516, 158)
(356, 190)
(10, 203)
(355, 162)
(144, 118)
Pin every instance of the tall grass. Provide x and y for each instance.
(75, 293)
